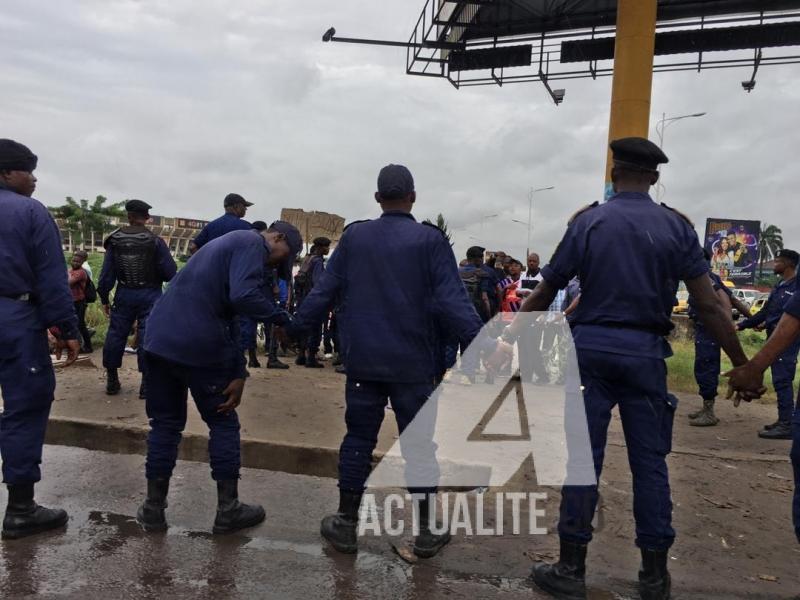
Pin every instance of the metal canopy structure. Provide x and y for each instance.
(494, 42)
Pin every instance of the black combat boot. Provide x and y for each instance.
(337, 360)
(142, 390)
(301, 358)
(781, 431)
(24, 517)
(151, 513)
(113, 385)
(233, 515)
(340, 529)
(567, 578)
(654, 579)
(252, 361)
(312, 362)
(427, 544)
(274, 363)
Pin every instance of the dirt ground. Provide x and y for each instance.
(731, 490)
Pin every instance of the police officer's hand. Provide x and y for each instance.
(746, 382)
(72, 347)
(502, 355)
(107, 310)
(234, 394)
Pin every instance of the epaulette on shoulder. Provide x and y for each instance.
(679, 213)
(354, 223)
(586, 208)
(436, 227)
(108, 239)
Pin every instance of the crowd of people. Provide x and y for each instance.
(397, 319)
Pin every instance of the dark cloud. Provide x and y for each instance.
(183, 101)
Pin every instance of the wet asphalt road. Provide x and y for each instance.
(104, 554)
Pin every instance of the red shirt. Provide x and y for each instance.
(77, 284)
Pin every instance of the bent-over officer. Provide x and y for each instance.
(138, 262)
(193, 346)
(618, 329)
(390, 339)
(34, 295)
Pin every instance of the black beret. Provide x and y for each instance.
(16, 157)
(395, 182)
(234, 199)
(638, 153)
(475, 252)
(322, 241)
(137, 206)
(790, 255)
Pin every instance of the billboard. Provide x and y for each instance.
(733, 245)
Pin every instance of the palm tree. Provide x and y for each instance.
(441, 224)
(84, 220)
(769, 244)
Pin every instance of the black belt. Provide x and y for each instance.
(19, 298)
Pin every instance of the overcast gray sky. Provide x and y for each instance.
(178, 102)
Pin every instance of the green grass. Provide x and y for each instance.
(681, 365)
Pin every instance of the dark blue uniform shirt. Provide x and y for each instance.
(194, 322)
(793, 306)
(398, 285)
(774, 308)
(630, 253)
(219, 227)
(33, 263)
(717, 284)
(165, 267)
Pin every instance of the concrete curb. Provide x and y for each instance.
(256, 454)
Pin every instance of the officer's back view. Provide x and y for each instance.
(396, 282)
(34, 295)
(138, 262)
(630, 254)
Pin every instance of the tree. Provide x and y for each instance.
(441, 224)
(84, 219)
(769, 244)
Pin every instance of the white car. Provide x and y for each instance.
(746, 296)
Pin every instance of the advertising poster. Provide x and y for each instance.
(733, 245)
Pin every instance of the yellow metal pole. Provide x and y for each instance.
(633, 72)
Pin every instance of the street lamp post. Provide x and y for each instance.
(661, 127)
(530, 213)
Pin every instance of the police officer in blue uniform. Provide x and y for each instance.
(248, 328)
(309, 275)
(783, 370)
(233, 220)
(389, 337)
(630, 254)
(707, 352)
(34, 295)
(224, 281)
(749, 381)
(138, 262)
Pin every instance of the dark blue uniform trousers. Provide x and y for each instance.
(796, 468)
(168, 384)
(707, 364)
(783, 371)
(129, 306)
(647, 411)
(366, 404)
(248, 331)
(27, 383)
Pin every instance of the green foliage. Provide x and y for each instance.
(82, 218)
(441, 224)
(769, 244)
